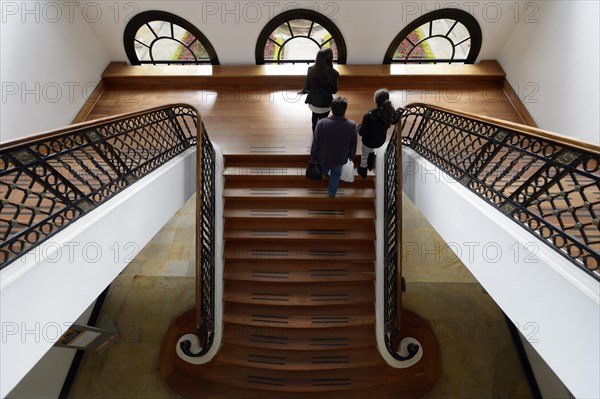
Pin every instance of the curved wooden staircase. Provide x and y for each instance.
(299, 294)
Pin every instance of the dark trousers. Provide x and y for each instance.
(317, 117)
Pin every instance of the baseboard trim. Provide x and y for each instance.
(517, 104)
(90, 102)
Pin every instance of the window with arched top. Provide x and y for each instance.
(159, 37)
(295, 37)
(442, 36)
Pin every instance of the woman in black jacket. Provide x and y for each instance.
(374, 127)
(320, 85)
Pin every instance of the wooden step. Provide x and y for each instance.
(299, 316)
(265, 183)
(273, 160)
(297, 381)
(284, 177)
(300, 339)
(222, 391)
(299, 294)
(280, 195)
(311, 218)
(268, 171)
(299, 271)
(297, 235)
(240, 203)
(316, 251)
(248, 356)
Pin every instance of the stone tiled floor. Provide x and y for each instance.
(479, 359)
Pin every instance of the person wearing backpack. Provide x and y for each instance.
(373, 129)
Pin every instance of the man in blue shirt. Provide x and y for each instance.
(334, 143)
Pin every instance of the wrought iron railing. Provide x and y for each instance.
(205, 248)
(392, 240)
(49, 181)
(546, 183)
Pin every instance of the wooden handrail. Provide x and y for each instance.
(87, 125)
(532, 131)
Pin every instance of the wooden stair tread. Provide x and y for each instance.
(248, 356)
(299, 316)
(314, 212)
(298, 381)
(307, 194)
(300, 234)
(240, 203)
(268, 183)
(317, 251)
(222, 391)
(299, 271)
(244, 159)
(272, 171)
(305, 294)
(302, 339)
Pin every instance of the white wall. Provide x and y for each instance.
(50, 63)
(47, 377)
(553, 59)
(553, 304)
(367, 26)
(548, 382)
(70, 270)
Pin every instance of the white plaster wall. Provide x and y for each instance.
(69, 271)
(553, 304)
(553, 60)
(548, 382)
(367, 26)
(50, 63)
(46, 379)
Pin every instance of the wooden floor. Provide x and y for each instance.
(269, 117)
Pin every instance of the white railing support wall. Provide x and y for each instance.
(47, 289)
(555, 306)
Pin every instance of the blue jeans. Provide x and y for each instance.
(335, 174)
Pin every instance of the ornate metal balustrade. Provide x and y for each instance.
(205, 249)
(548, 184)
(49, 181)
(392, 239)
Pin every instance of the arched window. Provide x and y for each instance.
(158, 37)
(442, 36)
(295, 36)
